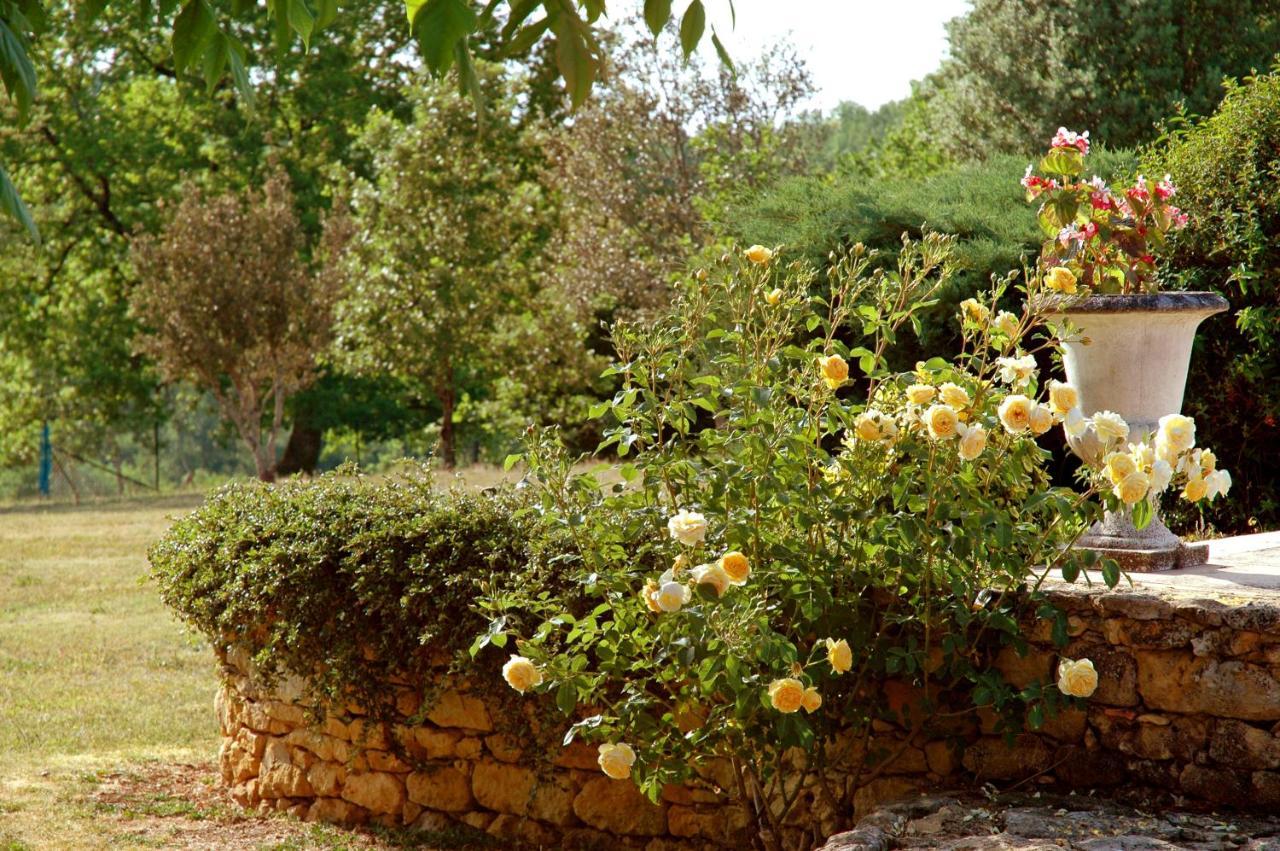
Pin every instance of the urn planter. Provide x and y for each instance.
(1129, 354)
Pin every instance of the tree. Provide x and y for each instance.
(208, 42)
(449, 235)
(1020, 68)
(228, 304)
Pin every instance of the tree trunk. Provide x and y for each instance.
(302, 452)
(448, 454)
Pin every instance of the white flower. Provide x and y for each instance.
(688, 527)
(1177, 431)
(1110, 427)
(1062, 397)
(1016, 370)
(521, 674)
(672, 596)
(1074, 423)
(1041, 419)
(1161, 475)
(1218, 482)
(1077, 679)
(973, 439)
(616, 760)
(713, 575)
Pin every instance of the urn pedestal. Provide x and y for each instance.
(1129, 354)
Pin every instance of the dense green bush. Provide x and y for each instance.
(982, 204)
(356, 580)
(1227, 170)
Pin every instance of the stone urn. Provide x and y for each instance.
(1129, 354)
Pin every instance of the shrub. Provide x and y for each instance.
(772, 515)
(1226, 168)
(353, 581)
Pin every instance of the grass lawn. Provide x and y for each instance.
(107, 730)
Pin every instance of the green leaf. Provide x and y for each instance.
(215, 62)
(12, 206)
(511, 460)
(567, 698)
(239, 73)
(302, 21)
(1143, 514)
(725, 59)
(192, 30)
(326, 13)
(439, 25)
(1063, 162)
(691, 27)
(656, 15)
(16, 70)
(575, 53)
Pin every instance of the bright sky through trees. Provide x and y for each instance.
(866, 51)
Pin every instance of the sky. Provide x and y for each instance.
(866, 51)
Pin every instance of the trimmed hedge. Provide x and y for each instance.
(353, 581)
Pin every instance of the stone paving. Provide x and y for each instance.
(1246, 566)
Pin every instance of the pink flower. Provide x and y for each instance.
(1035, 184)
(1091, 230)
(1165, 189)
(1179, 218)
(1102, 200)
(1069, 233)
(1067, 139)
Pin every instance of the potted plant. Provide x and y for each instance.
(1126, 345)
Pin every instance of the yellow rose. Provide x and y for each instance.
(713, 575)
(616, 760)
(811, 700)
(786, 694)
(1178, 432)
(839, 655)
(1207, 460)
(1133, 487)
(867, 426)
(1041, 420)
(1007, 323)
(1077, 679)
(1062, 397)
(1143, 455)
(758, 254)
(1015, 413)
(834, 370)
(1195, 490)
(1110, 427)
(773, 296)
(971, 310)
(920, 394)
(954, 395)
(649, 593)
(1061, 279)
(942, 421)
(972, 441)
(736, 567)
(1119, 466)
(688, 527)
(521, 674)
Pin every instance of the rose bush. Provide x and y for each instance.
(791, 534)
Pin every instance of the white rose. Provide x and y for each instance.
(1161, 475)
(616, 760)
(688, 527)
(1062, 397)
(713, 575)
(1110, 427)
(1074, 423)
(1016, 370)
(1015, 413)
(973, 439)
(672, 596)
(1218, 483)
(1077, 679)
(521, 674)
(1041, 419)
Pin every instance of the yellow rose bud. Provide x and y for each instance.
(1063, 397)
(941, 421)
(649, 593)
(839, 655)
(736, 567)
(773, 296)
(1133, 488)
(1120, 465)
(811, 700)
(1015, 413)
(920, 394)
(834, 370)
(1195, 490)
(1061, 279)
(758, 254)
(954, 395)
(972, 442)
(786, 694)
(521, 674)
(616, 760)
(1077, 679)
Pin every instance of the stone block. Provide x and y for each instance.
(326, 778)
(386, 761)
(718, 825)
(502, 787)
(1235, 744)
(326, 748)
(445, 788)
(1176, 682)
(335, 811)
(1215, 784)
(943, 757)
(378, 792)
(1021, 671)
(868, 797)
(616, 806)
(430, 743)
(1117, 672)
(990, 758)
(1082, 768)
(504, 747)
(520, 829)
(578, 754)
(454, 709)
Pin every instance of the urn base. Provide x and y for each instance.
(1146, 550)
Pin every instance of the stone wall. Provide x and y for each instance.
(1188, 701)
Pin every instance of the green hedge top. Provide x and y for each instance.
(355, 582)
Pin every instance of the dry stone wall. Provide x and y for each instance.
(1188, 701)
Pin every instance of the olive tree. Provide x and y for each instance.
(227, 302)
